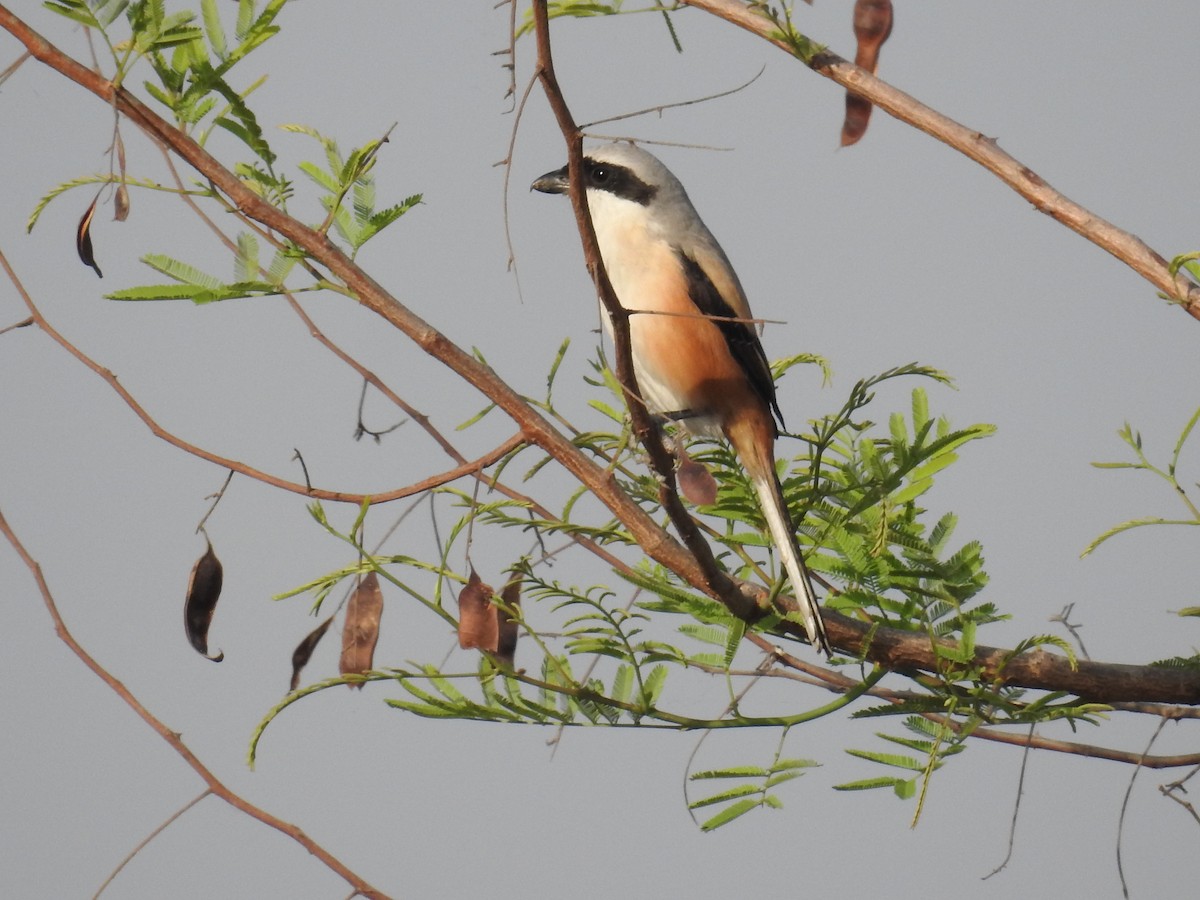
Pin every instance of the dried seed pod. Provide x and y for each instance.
(858, 117)
(696, 483)
(360, 633)
(203, 591)
(83, 237)
(304, 650)
(872, 26)
(478, 622)
(506, 625)
(121, 204)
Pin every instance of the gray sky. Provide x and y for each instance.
(892, 251)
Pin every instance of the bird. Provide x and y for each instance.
(696, 353)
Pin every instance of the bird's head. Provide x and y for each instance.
(622, 181)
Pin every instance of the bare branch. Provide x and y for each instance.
(148, 838)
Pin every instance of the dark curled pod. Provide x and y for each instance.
(204, 589)
(360, 633)
(477, 619)
(506, 626)
(304, 651)
(83, 237)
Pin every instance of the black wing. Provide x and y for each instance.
(740, 336)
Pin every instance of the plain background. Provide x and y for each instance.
(891, 251)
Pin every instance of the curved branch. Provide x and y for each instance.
(1128, 248)
(215, 785)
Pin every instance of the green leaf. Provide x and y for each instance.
(870, 784)
(743, 790)
(156, 292)
(213, 29)
(731, 772)
(181, 271)
(890, 759)
(737, 630)
(75, 10)
(727, 815)
(245, 264)
(1131, 524)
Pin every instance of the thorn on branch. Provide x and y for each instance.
(1063, 618)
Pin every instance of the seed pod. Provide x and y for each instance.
(872, 26)
(121, 204)
(696, 483)
(506, 626)
(360, 633)
(83, 237)
(478, 622)
(204, 589)
(304, 650)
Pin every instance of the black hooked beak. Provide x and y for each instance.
(555, 182)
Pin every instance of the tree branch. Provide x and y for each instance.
(1126, 247)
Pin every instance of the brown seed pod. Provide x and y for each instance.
(506, 625)
(478, 622)
(121, 204)
(360, 633)
(203, 591)
(872, 26)
(83, 237)
(696, 483)
(304, 650)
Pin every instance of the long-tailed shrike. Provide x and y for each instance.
(696, 353)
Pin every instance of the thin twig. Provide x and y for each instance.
(1125, 805)
(216, 499)
(663, 107)
(148, 838)
(24, 323)
(10, 69)
(1173, 789)
(1012, 826)
(1064, 619)
(361, 429)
